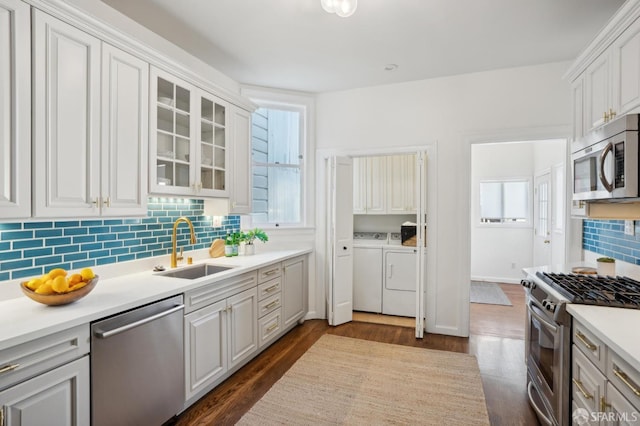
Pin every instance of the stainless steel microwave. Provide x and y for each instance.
(604, 163)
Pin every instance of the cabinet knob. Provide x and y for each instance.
(107, 202)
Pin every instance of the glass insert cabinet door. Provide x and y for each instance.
(189, 143)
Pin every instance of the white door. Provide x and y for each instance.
(421, 258)
(542, 201)
(340, 244)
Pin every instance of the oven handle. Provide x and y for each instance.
(535, 407)
(607, 149)
(537, 316)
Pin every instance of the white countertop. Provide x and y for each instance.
(616, 327)
(22, 319)
(381, 244)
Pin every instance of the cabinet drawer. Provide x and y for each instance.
(269, 304)
(32, 358)
(269, 272)
(624, 377)
(589, 344)
(214, 292)
(269, 288)
(269, 327)
(587, 382)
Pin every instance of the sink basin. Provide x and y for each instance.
(194, 272)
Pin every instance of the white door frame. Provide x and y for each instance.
(431, 211)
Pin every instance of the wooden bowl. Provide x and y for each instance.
(62, 298)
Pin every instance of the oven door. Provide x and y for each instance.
(545, 357)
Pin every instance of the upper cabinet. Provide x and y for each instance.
(90, 125)
(66, 84)
(15, 110)
(189, 142)
(605, 79)
(240, 201)
(384, 185)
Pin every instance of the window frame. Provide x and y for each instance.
(527, 223)
(286, 101)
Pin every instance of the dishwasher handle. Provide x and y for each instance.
(100, 334)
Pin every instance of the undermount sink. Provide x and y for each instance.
(195, 272)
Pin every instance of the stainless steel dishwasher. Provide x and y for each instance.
(137, 369)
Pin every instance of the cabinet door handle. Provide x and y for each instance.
(271, 272)
(581, 388)
(107, 202)
(612, 113)
(586, 341)
(272, 327)
(625, 379)
(270, 289)
(8, 368)
(603, 404)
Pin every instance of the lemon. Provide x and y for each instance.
(74, 279)
(78, 286)
(57, 272)
(87, 274)
(34, 283)
(45, 288)
(60, 284)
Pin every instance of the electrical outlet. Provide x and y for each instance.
(216, 221)
(629, 227)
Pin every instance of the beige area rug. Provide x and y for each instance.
(346, 381)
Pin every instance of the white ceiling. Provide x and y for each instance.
(294, 44)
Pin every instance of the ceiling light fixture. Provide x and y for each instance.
(342, 8)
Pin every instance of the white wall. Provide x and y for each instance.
(499, 252)
(511, 104)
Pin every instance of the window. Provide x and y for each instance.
(505, 202)
(277, 153)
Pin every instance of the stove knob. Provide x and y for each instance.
(528, 284)
(548, 305)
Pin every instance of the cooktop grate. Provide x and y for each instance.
(619, 292)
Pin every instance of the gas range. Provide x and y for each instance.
(619, 292)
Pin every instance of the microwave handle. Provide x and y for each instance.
(607, 185)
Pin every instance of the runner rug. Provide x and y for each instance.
(346, 381)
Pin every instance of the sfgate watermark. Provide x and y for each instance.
(582, 416)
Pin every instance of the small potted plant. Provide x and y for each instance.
(250, 236)
(606, 266)
(231, 244)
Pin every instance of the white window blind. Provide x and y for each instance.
(504, 201)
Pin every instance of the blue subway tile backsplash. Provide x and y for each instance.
(34, 247)
(607, 238)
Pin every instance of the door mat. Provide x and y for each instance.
(488, 293)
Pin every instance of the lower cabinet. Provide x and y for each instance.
(294, 273)
(59, 397)
(603, 384)
(218, 337)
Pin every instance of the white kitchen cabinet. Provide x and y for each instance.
(294, 284)
(125, 112)
(15, 109)
(59, 397)
(367, 279)
(597, 92)
(625, 56)
(90, 125)
(205, 336)
(577, 96)
(376, 185)
(401, 183)
(189, 141)
(219, 337)
(241, 196)
(66, 119)
(602, 382)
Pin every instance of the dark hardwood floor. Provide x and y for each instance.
(501, 361)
